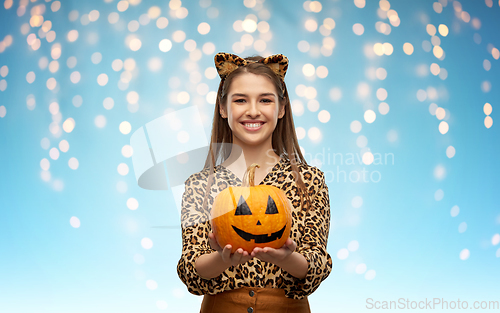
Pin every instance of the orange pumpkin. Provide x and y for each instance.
(251, 216)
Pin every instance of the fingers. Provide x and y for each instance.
(226, 254)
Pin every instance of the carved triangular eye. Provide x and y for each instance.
(271, 206)
(242, 208)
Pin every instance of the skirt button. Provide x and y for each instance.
(250, 310)
(251, 293)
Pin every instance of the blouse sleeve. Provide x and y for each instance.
(195, 228)
(313, 244)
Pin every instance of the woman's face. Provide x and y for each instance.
(252, 110)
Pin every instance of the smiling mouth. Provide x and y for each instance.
(259, 238)
(252, 125)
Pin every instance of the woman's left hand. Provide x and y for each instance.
(275, 256)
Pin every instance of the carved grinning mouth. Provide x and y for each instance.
(259, 238)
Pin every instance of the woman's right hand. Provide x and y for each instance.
(240, 256)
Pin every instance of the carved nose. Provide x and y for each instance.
(258, 223)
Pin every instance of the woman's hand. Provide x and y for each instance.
(275, 256)
(240, 256)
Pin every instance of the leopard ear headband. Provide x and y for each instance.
(226, 63)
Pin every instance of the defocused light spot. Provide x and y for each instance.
(360, 268)
(435, 69)
(203, 28)
(30, 77)
(314, 134)
(443, 73)
(392, 135)
(127, 151)
(357, 202)
(439, 195)
(360, 3)
(335, 94)
(100, 121)
(211, 97)
(381, 94)
(161, 304)
(121, 187)
(125, 127)
(308, 70)
(438, 7)
(73, 163)
(313, 105)
(358, 29)
(45, 164)
(495, 240)
(486, 86)
(488, 121)
(487, 108)
(324, 116)
(165, 45)
(438, 51)
(439, 172)
(368, 158)
(122, 6)
(301, 133)
(135, 44)
(3, 111)
(381, 73)
(108, 103)
(388, 48)
(54, 153)
(74, 222)
(138, 258)
(183, 97)
(75, 77)
(311, 25)
(122, 169)
(355, 126)
(462, 227)
(69, 125)
(151, 284)
(210, 72)
(162, 22)
(450, 152)
(102, 79)
(454, 211)
(297, 107)
(421, 95)
(378, 48)
(249, 25)
(353, 246)
(443, 127)
(64, 145)
(146, 243)
(77, 101)
(370, 275)
(361, 141)
(495, 53)
(440, 113)
(263, 27)
(179, 36)
(342, 254)
(383, 108)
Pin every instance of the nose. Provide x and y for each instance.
(253, 109)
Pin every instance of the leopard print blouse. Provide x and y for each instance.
(309, 230)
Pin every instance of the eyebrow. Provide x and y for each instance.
(261, 95)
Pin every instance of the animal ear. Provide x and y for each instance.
(242, 207)
(278, 63)
(271, 206)
(225, 63)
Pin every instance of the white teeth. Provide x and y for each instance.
(252, 125)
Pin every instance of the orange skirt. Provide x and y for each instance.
(253, 300)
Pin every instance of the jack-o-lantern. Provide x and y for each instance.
(251, 216)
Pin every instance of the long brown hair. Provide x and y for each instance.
(284, 139)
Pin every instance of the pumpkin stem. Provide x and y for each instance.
(249, 178)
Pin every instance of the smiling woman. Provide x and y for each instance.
(241, 270)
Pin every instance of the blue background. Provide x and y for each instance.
(406, 234)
